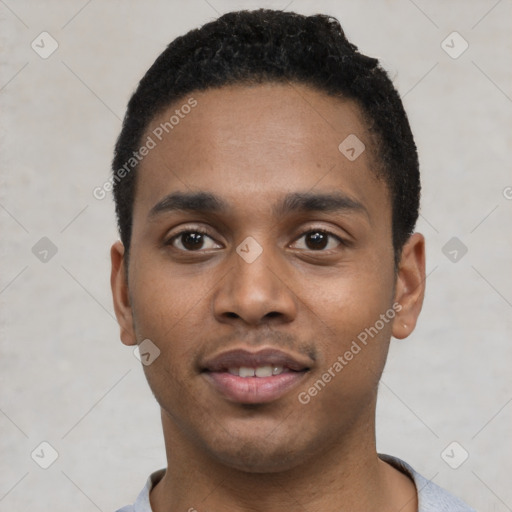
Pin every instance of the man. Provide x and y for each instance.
(267, 188)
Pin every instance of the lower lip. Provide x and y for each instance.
(253, 390)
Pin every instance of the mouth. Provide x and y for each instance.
(246, 377)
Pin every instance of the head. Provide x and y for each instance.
(273, 208)
(276, 47)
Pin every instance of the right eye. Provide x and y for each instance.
(192, 240)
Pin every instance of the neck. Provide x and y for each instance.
(348, 476)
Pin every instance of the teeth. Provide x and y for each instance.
(264, 371)
(277, 370)
(246, 372)
(261, 371)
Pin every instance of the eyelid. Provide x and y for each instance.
(342, 239)
(169, 239)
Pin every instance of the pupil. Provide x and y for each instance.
(192, 240)
(316, 240)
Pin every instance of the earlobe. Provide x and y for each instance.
(120, 294)
(410, 286)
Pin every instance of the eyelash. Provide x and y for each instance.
(186, 231)
(176, 236)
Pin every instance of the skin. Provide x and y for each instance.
(252, 146)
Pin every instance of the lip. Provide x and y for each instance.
(254, 390)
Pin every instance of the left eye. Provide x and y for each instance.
(318, 240)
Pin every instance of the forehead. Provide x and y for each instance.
(255, 143)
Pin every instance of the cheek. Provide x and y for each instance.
(160, 295)
(170, 315)
(169, 312)
(350, 300)
(353, 313)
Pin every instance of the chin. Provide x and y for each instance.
(258, 455)
(256, 461)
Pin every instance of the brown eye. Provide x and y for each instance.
(192, 240)
(318, 240)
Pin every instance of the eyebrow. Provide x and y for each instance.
(206, 202)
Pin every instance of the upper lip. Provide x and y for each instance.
(242, 357)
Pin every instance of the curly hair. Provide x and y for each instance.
(248, 47)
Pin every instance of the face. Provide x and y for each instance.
(261, 266)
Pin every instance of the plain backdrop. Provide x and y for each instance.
(65, 377)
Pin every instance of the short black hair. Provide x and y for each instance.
(250, 47)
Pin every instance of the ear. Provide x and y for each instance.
(120, 295)
(410, 286)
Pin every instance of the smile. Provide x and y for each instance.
(245, 377)
(260, 371)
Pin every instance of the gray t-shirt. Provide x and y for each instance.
(431, 497)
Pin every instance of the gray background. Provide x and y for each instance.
(65, 377)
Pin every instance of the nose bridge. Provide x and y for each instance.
(255, 268)
(255, 286)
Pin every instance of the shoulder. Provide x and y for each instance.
(431, 497)
(142, 503)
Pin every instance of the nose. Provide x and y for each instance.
(256, 292)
